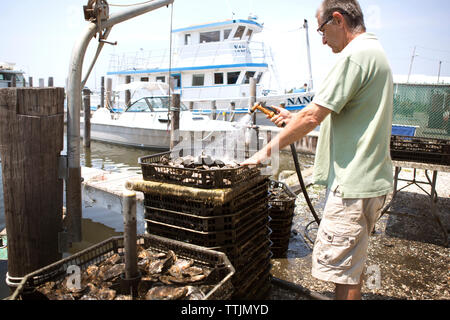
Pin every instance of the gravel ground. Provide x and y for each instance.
(407, 249)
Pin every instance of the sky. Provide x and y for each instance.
(39, 35)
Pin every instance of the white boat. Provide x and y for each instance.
(7, 73)
(211, 64)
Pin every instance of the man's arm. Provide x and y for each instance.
(299, 126)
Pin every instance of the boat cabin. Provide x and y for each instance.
(209, 62)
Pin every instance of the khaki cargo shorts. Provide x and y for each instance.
(340, 249)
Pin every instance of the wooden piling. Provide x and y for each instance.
(214, 109)
(108, 93)
(30, 82)
(232, 109)
(252, 98)
(127, 92)
(50, 81)
(175, 120)
(87, 118)
(31, 139)
(102, 92)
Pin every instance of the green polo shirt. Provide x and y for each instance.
(353, 148)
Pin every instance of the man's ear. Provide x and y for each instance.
(339, 18)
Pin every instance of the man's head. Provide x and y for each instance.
(340, 21)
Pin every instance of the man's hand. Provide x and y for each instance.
(283, 116)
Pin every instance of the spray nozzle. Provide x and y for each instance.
(261, 106)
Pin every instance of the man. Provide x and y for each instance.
(354, 109)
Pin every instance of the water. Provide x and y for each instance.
(100, 224)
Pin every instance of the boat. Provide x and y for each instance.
(7, 73)
(210, 66)
(146, 122)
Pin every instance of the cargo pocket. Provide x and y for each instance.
(335, 250)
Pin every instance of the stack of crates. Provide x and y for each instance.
(281, 212)
(233, 220)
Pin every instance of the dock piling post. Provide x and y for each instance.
(127, 92)
(132, 275)
(102, 92)
(214, 109)
(175, 120)
(31, 140)
(87, 118)
(252, 98)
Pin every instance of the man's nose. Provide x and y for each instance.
(324, 40)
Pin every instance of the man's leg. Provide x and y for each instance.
(348, 291)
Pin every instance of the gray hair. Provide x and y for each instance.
(350, 9)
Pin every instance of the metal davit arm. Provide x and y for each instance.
(74, 86)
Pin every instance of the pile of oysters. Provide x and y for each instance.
(201, 162)
(164, 277)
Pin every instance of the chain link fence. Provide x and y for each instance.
(421, 124)
(425, 107)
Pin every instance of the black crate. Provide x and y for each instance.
(424, 150)
(239, 253)
(281, 204)
(201, 216)
(210, 239)
(255, 279)
(105, 249)
(206, 224)
(153, 170)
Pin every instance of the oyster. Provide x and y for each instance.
(166, 293)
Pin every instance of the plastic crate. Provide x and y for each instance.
(101, 251)
(206, 224)
(153, 170)
(278, 204)
(239, 253)
(424, 150)
(259, 217)
(198, 207)
(256, 277)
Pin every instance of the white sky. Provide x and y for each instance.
(39, 35)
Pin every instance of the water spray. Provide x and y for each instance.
(270, 112)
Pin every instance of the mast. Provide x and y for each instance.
(310, 84)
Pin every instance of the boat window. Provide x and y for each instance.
(159, 104)
(248, 75)
(212, 36)
(218, 78)
(2, 77)
(140, 105)
(144, 79)
(232, 77)
(239, 32)
(249, 33)
(161, 79)
(187, 39)
(198, 80)
(226, 33)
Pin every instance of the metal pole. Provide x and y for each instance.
(410, 66)
(73, 190)
(310, 84)
(439, 72)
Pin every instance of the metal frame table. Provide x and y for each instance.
(432, 182)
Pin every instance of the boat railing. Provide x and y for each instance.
(203, 54)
